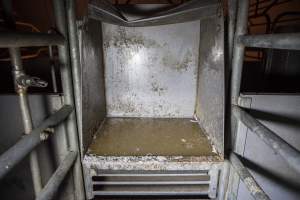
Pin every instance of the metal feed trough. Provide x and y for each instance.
(153, 101)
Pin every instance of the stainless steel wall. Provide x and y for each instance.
(93, 88)
(210, 105)
(151, 71)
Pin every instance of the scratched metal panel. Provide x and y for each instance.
(93, 89)
(211, 80)
(151, 71)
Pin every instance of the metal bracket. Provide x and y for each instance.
(28, 81)
(244, 102)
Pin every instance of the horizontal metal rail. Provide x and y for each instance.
(281, 147)
(151, 183)
(26, 39)
(24, 146)
(275, 41)
(255, 190)
(148, 193)
(53, 184)
(152, 174)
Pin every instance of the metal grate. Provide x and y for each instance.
(153, 184)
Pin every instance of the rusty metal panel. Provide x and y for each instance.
(93, 88)
(151, 71)
(211, 80)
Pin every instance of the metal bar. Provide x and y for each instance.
(151, 175)
(147, 193)
(75, 59)
(151, 182)
(18, 71)
(232, 10)
(66, 77)
(55, 181)
(238, 51)
(281, 147)
(255, 190)
(27, 39)
(276, 41)
(53, 73)
(24, 146)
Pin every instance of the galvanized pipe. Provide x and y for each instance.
(16, 153)
(55, 181)
(255, 190)
(75, 59)
(18, 71)
(232, 10)
(281, 147)
(238, 51)
(53, 74)
(66, 77)
(26, 39)
(276, 41)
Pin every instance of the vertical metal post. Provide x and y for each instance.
(17, 65)
(66, 76)
(75, 58)
(239, 50)
(52, 65)
(232, 8)
(236, 62)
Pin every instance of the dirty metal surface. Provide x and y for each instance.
(93, 89)
(148, 137)
(211, 80)
(149, 162)
(151, 71)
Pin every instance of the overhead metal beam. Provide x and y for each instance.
(281, 147)
(24, 146)
(26, 39)
(55, 181)
(289, 41)
(255, 190)
(189, 11)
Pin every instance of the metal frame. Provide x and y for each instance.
(26, 145)
(53, 184)
(277, 41)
